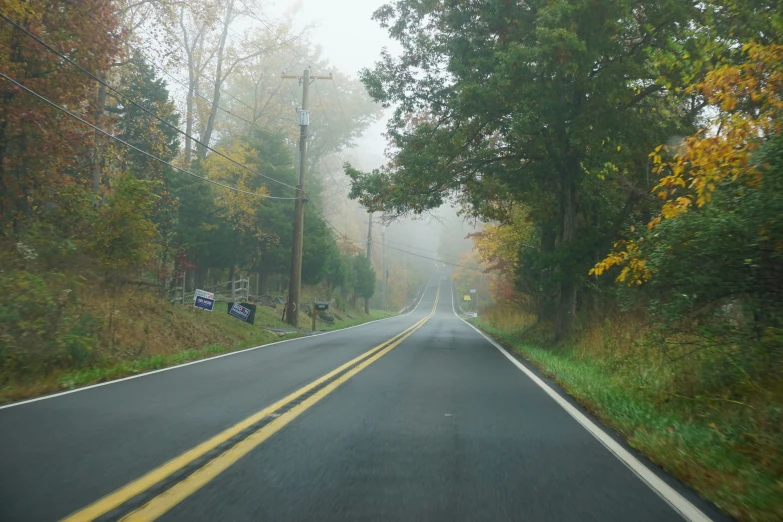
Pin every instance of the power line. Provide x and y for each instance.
(343, 235)
(123, 142)
(336, 90)
(256, 18)
(133, 102)
(339, 104)
(200, 96)
(412, 246)
(162, 70)
(222, 92)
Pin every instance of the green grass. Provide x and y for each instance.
(164, 336)
(265, 316)
(705, 454)
(361, 318)
(92, 375)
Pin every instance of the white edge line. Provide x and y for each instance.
(145, 374)
(677, 502)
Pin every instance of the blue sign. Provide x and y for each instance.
(204, 303)
(242, 311)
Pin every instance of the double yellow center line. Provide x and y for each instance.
(155, 493)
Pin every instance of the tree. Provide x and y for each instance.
(150, 134)
(41, 149)
(195, 22)
(748, 108)
(551, 104)
(498, 248)
(364, 284)
(124, 237)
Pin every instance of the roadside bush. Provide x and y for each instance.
(37, 327)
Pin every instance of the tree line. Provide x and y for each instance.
(143, 140)
(636, 142)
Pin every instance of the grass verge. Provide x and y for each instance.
(346, 321)
(159, 335)
(699, 448)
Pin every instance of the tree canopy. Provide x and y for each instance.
(552, 106)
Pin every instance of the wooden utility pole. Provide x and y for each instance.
(385, 270)
(369, 258)
(405, 272)
(295, 281)
(369, 238)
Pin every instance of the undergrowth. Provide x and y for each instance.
(724, 441)
(60, 330)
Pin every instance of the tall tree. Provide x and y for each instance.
(365, 280)
(552, 104)
(41, 149)
(195, 22)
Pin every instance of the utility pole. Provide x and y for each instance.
(369, 238)
(385, 269)
(369, 258)
(295, 281)
(405, 272)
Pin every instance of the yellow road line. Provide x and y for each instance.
(143, 483)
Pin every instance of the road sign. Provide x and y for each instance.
(205, 303)
(242, 311)
(466, 298)
(321, 306)
(472, 314)
(472, 290)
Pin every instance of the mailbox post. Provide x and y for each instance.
(318, 307)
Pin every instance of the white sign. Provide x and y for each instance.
(204, 293)
(472, 290)
(472, 314)
(303, 117)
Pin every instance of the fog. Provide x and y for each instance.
(351, 40)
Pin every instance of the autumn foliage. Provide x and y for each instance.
(42, 150)
(747, 100)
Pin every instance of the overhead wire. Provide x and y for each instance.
(136, 104)
(383, 242)
(168, 74)
(334, 83)
(345, 236)
(340, 105)
(222, 92)
(256, 18)
(282, 41)
(125, 143)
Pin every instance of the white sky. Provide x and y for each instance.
(351, 40)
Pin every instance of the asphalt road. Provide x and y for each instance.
(441, 426)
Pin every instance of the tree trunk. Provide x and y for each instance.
(210, 127)
(201, 275)
(97, 159)
(366, 305)
(566, 308)
(189, 113)
(546, 303)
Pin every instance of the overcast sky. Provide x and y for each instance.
(350, 40)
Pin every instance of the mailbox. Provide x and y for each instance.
(321, 306)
